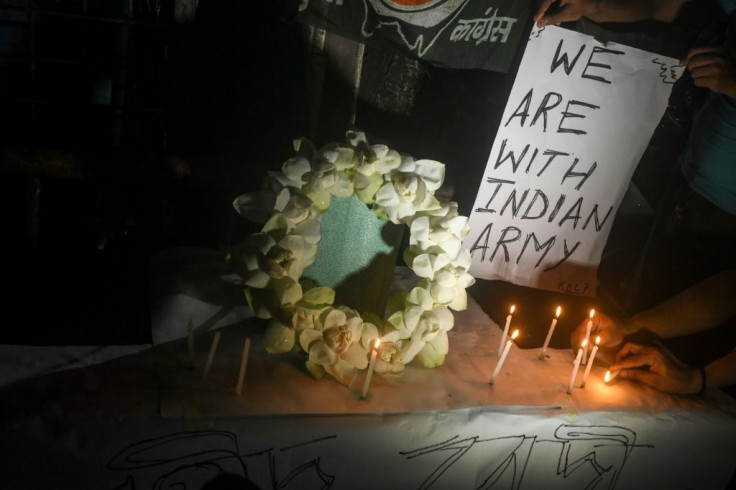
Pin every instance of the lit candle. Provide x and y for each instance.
(243, 363)
(590, 362)
(506, 329)
(503, 356)
(371, 367)
(587, 336)
(211, 355)
(551, 331)
(576, 365)
(609, 376)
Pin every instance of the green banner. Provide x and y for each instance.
(451, 33)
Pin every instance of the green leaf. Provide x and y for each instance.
(321, 295)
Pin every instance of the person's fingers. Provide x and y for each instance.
(708, 63)
(577, 335)
(634, 361)
(542, 9)
(700, 51)
(608, 340)
(709, 71)
(565, 14)
(631, 348)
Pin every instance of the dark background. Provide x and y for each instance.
(129, 126)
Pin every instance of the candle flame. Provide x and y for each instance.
(559, 310)
(607, 377)
(513, 307)
(377, 343)
(584, 343)
(597, 340)
(515, 334)
(592, 313)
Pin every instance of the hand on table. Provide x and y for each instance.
(662, 371)
(712, 68)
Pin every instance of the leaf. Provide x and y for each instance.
(317, 296)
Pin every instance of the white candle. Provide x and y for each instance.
(590, 361)
(549, 334)
(575, 367)
(587, 336)
(243, 363)
(506, 330)
(503, 356)
(190, 343)
(371, 367)
(609, 376)
(211, 355)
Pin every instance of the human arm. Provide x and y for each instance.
(702, 306)
(659, 369)
(607, 11)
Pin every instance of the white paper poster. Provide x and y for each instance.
(579, 117)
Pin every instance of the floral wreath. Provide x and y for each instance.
(337, 339)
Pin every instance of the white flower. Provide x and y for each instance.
(443, 228)
(425, 326)
(449, 288)
(280, 336)
(296, 209)
(295, 169)
(410, 189)
(425, 264)
(326, 180)
(343, 157)
(389, 359)
(287, 258)
(334, 344)
(382, 161)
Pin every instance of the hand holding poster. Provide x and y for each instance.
(579, 117)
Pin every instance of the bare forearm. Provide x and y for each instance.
(722, 372)
(701, 307)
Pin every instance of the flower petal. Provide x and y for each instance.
(308, 337)
(278, 338)
(433, 353)
(356, 356)
(431, 172)
(334, 318)
(295, 168)
(287, 290)
(321, 355)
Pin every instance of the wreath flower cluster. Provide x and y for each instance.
(303, 316)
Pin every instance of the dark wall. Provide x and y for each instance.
(125, 132)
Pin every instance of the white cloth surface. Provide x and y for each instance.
(148, 420)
